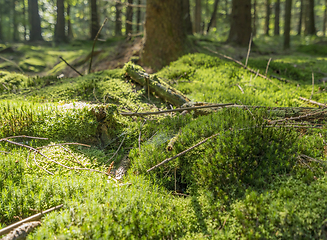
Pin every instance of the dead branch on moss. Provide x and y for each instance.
(37, 151)
(12, 63)
(29, 219)
(71, 66)
(313, 102)
(117, 150)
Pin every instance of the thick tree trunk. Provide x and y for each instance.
(94, 18)
(267, 17)
(324, 20)
(299, 28)
(69, 24)
(60, 24)
(254, 18)
(240, 30)
(118, 23)
(138, 16)
(311, 19)
(35, 21)
(197, 16)
(129, 18)
(24, 20)
(1, 36)
(287, 27)
(214, 15)
(187, 17)
(277, 14)
(164, 35)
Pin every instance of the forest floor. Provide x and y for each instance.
(253, 170)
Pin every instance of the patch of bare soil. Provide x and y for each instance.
(124, 52)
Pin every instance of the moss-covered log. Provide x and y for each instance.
(156, 85)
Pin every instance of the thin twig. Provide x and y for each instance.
(95, 39)
(313, 85)
(249, 50)
(117, 149)
(34, 159)
(69, 152)
(71, 66)
(247, 109)
(267, 67)
(313, 102)
(12, 63)
(23, 136)
(240, 88)
(139, 140)
(174, 110)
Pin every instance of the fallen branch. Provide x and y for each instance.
(175, 110)
(71, 66)
(22, 231)
(29, 219)
(12, 63)
(117, 150)
(313, 102)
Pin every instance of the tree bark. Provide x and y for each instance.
(287, 27)
(24, 20)
(254, 18)
(94, 18)
(69, 24)
(311, 19)
(299, 28)
(240, 30)
(1, 36)
(187, 17)
(267, 17)
(129, 18)
(197, 16)
(60, 23)
(277, 15)
(35, 21)
(324, 20)
(118, 23)
(15, 24)
(214, 15)
(164, 35)
(138, 16)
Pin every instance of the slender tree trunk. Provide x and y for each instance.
(60, 23)
(197, 16)
(325, 19)
(311, 19)
(24, 20)
(118, 23)
(164, 38)
(254, 18)
(240, 30)
(138, 17)
(299, 28)
(35, 21)
(187, 17)
(214, 15)
(267, 17)
(277, 14)
(129, 18)
(1, 36)
(15, 24)
(287, 27)
(69, 24)
(94, 18)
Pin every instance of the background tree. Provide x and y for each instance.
(310, 26)
(325, 19)
(94, 18)
(287, 27)
(299, 29)
(187, 17)
(138, 16)
(69, 24)
(60, 22)
(118, 24)
(34, 20)
(277, 14)
(240, 29)
(214, 15)
(197, 16)
(164, 36)
(254, 18)
(129, 18)
(267, 17)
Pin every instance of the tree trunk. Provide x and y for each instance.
(299, 28)
(311, 19)
(138, 16)
(60, 24)
(69, 24)
(1, 36)
(214, 15)
(254, 18)
(14, 19)
(187, 17)
(240, 30)
(24, 20)
(164, 35)
(287, 27)
(277, 14)
(197, 16)
(35, 21)
(118, 23)
(324, 20)
(129, 18)
(267, 17)
(94, 19)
